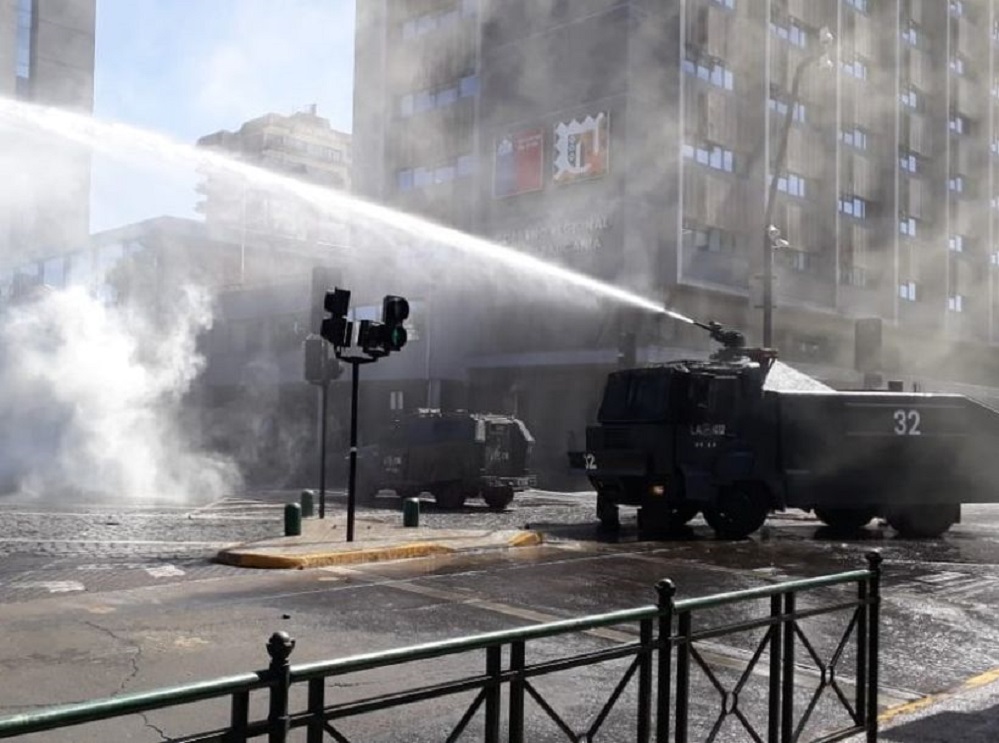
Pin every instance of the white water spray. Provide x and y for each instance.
(112, 138)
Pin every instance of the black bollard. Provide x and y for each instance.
(292, 520)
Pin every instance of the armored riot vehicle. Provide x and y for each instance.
(452, 455)
(712, 436)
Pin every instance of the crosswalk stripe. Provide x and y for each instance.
(52, 586)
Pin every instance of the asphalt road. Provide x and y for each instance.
(99, 599)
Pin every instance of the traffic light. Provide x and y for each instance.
(336, 329)
(371, 338)
(324, 278)
(315, 360)
(395, 311)
(319, 367)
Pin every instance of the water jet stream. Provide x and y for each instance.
(112, 137)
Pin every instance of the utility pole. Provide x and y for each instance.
(771, 235)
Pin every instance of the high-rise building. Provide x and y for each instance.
(636, 141)
(46, 57)
(302, 145)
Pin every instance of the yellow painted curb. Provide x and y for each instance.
(972, 683)
(265, 561)
(526, 539)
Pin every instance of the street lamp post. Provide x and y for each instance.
(771, 234)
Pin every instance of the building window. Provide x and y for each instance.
(910, 98)
(396, 400)
(780, 106)
(995, 146)
(466, 166)
(854, 137)
(791, 33)
(853, 206)
(855, 68)
(907, 290)
(712, 156)
(22, 57)
(422, 177)
(958, 124)
(994, 258)
(712, 71)
(955, 303)
(956, 183)
(907, 226)
(957, 65)
(406, 105)
(791, 184)
(468, 86)
(708, 239)
(859, 5)
(956, 243)
(446, 96)
(404, 179)
(444, 174)
(910, 34)
(956, 8)
(909, 162)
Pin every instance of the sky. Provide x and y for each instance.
(187, 68)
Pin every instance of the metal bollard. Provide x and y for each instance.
(292, 520)
(411, 512)
(307, 504)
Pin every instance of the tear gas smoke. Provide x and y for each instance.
(94, 391)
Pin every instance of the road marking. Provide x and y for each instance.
(52, 586)
(43, 540)
(713, 652)
(165, 571)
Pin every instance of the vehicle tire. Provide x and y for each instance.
(498, 498)
(449, 496)
(845, 519)
(924, 522)
(662, 519)
(608, 513)
(740, 510)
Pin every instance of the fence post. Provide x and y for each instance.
(494, 669)
(874, 565)
(239, 717)
(666, 593)
(317, 703)
(645, 681)
(518, 685)
(776, 626)
(279, 647)
(787, 673)
(685, 632)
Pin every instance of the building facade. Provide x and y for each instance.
(636, 141)
(302, 145)
(47, 58)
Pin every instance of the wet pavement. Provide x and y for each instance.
(938, 615)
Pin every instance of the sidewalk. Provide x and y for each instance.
(324, 542)
(968, 714)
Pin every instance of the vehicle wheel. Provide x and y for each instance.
(662, 519)
(740, 510)
(923, 522)
(608, 513)
(450, 496)
(845, 519)
(498, 498)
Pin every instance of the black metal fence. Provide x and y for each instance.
(659, 667)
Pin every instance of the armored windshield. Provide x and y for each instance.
(636, 395)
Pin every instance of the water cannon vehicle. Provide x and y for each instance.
(739, 435)
(452, 455)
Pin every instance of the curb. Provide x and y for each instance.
(975, 682)
(271, 561)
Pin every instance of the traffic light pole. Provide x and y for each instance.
(322, 449)
(352, 482)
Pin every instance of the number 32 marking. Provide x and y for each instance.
(907, 423)
(589, 461)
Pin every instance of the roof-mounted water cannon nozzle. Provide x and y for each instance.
(729, 338)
